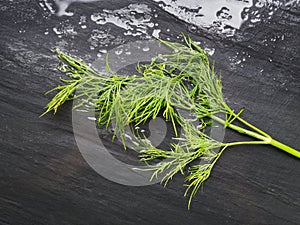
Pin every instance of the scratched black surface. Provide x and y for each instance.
(45, 180)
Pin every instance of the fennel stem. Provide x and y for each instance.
(260, 135)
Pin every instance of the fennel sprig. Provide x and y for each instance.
(182, 80)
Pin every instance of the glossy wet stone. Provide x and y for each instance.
(44, 178)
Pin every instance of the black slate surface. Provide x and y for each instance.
(45, 180)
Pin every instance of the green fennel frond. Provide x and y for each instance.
(173, 84)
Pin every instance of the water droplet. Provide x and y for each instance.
(146, 49)
(104, 51)
(210, 51)
(119, 51)
(156, 32)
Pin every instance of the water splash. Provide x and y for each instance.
(63, 5)
(64, 29)
(222, 14)
(264, 10)
(218, 16)
(135, 19)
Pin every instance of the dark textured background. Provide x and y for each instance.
(45, 180)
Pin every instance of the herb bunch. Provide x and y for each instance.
(180, 81)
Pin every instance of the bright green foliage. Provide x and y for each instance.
(182, 80)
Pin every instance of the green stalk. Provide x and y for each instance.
(285, 148)
(265, 139)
